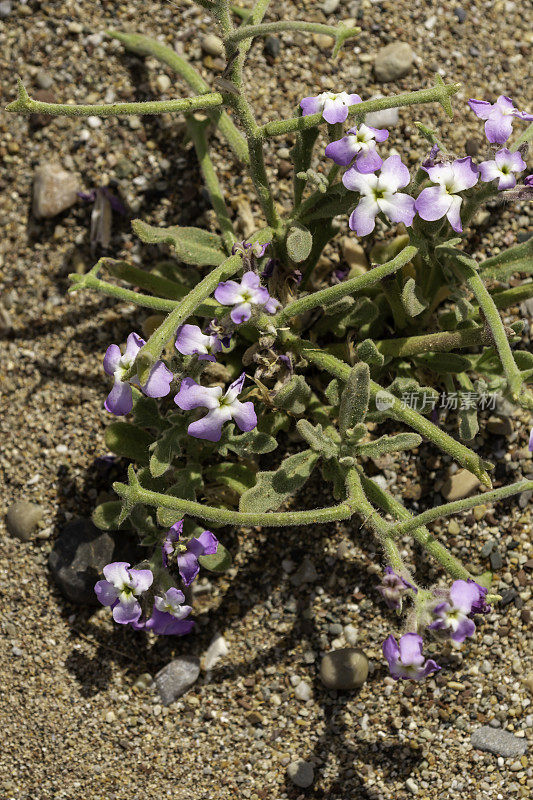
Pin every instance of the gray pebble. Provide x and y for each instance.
(54, 190)
(176, 678)
(44, 80)
(496, 561)
(212, 45)
(499, 742)
(383, 119)
(329, 6)
(393, 61)
(303, 691)
(411, 785)
(272, 46)
(22, 519)
(6, 8)
(486, 550)
(344, 669)
(306, 573)
(301, 773)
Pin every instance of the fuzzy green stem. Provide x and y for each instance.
(463, 455)
(504, 264)
(197, 132)
(144, 46)
(441, 342)
(25, 105)
(151, 351)
(340, 33)
(434, 95)
(457, 506)
(326, 297)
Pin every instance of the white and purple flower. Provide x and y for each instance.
(502, 168)
(405, 657)
(204, 545)
(221, 408)
(530, 446)
(359, 143)
(244, 295)
(451, 616)
(169, 613)
(441, 200)
(393, 587)
(380, 193)
(120, 399)
(191, 341)
(499, 117)
(333, 106)
(121, 588)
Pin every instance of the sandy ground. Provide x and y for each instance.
(75, 724)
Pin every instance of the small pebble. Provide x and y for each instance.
(272, 46)
(411, 785)
(212, 45)
(54, 190)
(303, 691)
(176, 678)
(163, 83)
(497, 741)
(393, 61)
(301, 773)
(22, 519)
(6, 8)
(344, 669)
(44, 80)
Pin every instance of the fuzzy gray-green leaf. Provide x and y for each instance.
(274, 487)
(192, 245)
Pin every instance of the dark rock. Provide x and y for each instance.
(472, 147)
(460, 13)
(80, 553)
(22, 519)
(497, 741)
(496, 561)
(508, 597)
(272, 46)
(344, 669)
(173, 680)
(301, 773)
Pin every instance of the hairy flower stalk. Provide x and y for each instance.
(319, 355)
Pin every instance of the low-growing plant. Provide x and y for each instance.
(250, 344)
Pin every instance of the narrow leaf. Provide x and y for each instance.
(273, 488)
(192, 245)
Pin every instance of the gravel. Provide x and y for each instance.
(499, 742)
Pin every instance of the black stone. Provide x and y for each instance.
(272, 46)
(460, 13)
(80, 553)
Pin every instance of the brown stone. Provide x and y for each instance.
(54, 190)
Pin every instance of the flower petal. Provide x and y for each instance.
(464, 594)
(142, 579)
(120, 399)
(363, 217)
(391, 651)
(241, 313)
(164, 624)
(159, 380)
(454, 215)
(127, 611)
(335, 110)
(228, 293)
(117, 573)
(432, 203)
(465, 174)
(481, 108)
(188, 567)
(380, 134)
(368, 160)
(244, 415)
(356, 181)
(133, 345)
(209, 543)
(210, 426)
(394, 174)
(106, 592)
(410, 645)
(250, 280)
(498, 128)
(111, 358)
(311, 105)
(192, 395)
(343, 151)
(235, 388)
(489, 171)
(399, 208)
(191, 340)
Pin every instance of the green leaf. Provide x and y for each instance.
(237, 477)
(443, 362)
(192, 245)
(146, 411)
(218, 562)
(333, 473)
(419, 398)
(412, 299)
(273, 488)
(188, 481)
(355, 398)
(333, 392)
(293, 396)
(164, 450)
(368, 352)
(252, 442)
(106, 515)
(389, 444)
(317, 439)
(128, 441)
(468, 423)
(299, 243)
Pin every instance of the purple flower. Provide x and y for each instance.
(528, 180)
(380, 193)
(443, 199)
(531, 441)
(451, 616)
(191, 341)
(121, 588)
(405, 657)
(359, 143)
(393, 587)
(205, 545)
(168, 615)
(244, 295)
(498, 116)
(480, 606)
(503, 166)
(247, 248)
(221, 408)
(333, 107)
(119, 400)
(430, 160)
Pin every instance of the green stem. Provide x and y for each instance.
(437, 94)
(515, 259)
(151, 351)
(463, 455)
(480, 196)
(527, 136)
(144, 46)
(25, 105)
(457, 506)
(440, 553)
(326, 297)
(441, 342)
(251, 31)
(197, 132)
